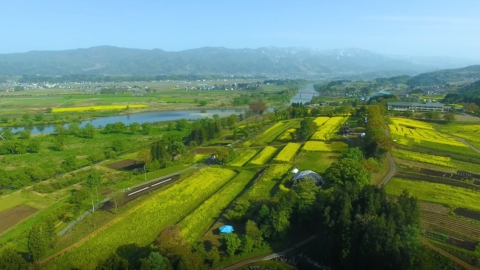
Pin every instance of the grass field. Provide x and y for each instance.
(324, 147)
(264, 187)
(264, 156)
(315, 161)
(288, 152)
(242, 157)
(454, 197)
(99, 108)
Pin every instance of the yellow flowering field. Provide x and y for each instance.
(287, 135)
(99, 108)
(271, 176)
(327, 130)
(142, 224)
(410, 123)
(418, 135)
(321, 120)
(243, 157)
(422, 157)
(288, 152)
(264, 156)
(312, 146)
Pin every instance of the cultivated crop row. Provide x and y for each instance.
(264, 156)
(451, 224)
(288, 152)
(287, 135)
(142, 224)
(422, 157)
(313, 146)
(195, 224)
(419, 135)
(244, 157)
(319, 121)
(410, 123)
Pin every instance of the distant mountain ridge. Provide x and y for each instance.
(294, 61)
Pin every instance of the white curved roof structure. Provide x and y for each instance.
(307, 174)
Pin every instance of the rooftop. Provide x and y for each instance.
(416, 104)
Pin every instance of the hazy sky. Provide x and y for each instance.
(420, 27)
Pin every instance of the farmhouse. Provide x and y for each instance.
(419, 107)
(302, 175)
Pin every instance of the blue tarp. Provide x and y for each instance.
(226, 229)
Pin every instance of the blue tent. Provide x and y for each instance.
(226, 229)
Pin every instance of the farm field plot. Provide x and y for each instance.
(454, 197)
(288, 152)
(99, 108)
(14, 215)
(316, 161)
(271, 133)
(469, 132)
(195, 224)
(328, 129)
(323, 146)
(406, 136)
(409, 123)
(287, 135)
(436, 160)
(243, 157)
(272, 176)
(142, 224)
(449, 223)
(319, 121)
(264, 156)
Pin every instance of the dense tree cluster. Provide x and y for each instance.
(377, 139)
(204, 130)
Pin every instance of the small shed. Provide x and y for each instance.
(226, 229)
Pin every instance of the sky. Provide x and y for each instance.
(416, 28)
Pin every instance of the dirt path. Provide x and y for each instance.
(448, 255)
(462, 140)
(270, 256)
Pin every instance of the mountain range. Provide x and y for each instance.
(270, 61)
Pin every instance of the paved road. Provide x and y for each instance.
(391, 172)
(270, 256)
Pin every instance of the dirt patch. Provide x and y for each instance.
(434, 208)
(467, 213)
(106, 191)
(465, 244)
(125, 165)
(14, 215)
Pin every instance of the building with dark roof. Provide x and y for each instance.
(417, 107)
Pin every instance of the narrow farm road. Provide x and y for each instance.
(448, 255)
(270, 256)
(466, 143)
(391, 172)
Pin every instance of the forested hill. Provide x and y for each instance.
(470, 73)
(472, 90)
(209, 60)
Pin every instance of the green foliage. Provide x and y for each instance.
(113, 262)
(156, 261)
(347, 171)
(233, 243)
(40, 238)
(353, 153)
(11, 260)
(225, 154)
(307, 128)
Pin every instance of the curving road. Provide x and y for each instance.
(391, 172)
(448, 255)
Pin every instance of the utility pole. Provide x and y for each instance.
(145, 171)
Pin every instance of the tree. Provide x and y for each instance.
(146, 128)
(247, 244)
(156, 261)
(347, 171)
(258, 107)
(307, 191)
(225, 154)
(449, 117)
(232, 120)
(25, 134)
(92, 183)
(69, 163)
(48, 110)
(202, 103)
(471, 108)
(354, 153)
(40, 238)
(134, 127)
(252, 231)
(181, 124)
(432, 116)
(88, 131)
(144, 156)
(118, 145)
(74, 128)
(113, 262)
(117, 199)
(11, 260)
(26, 117)
(34, 146)
(307, 127)
(60, 130)
(232, 242)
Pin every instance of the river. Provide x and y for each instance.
(305, 94)
(140, 118)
